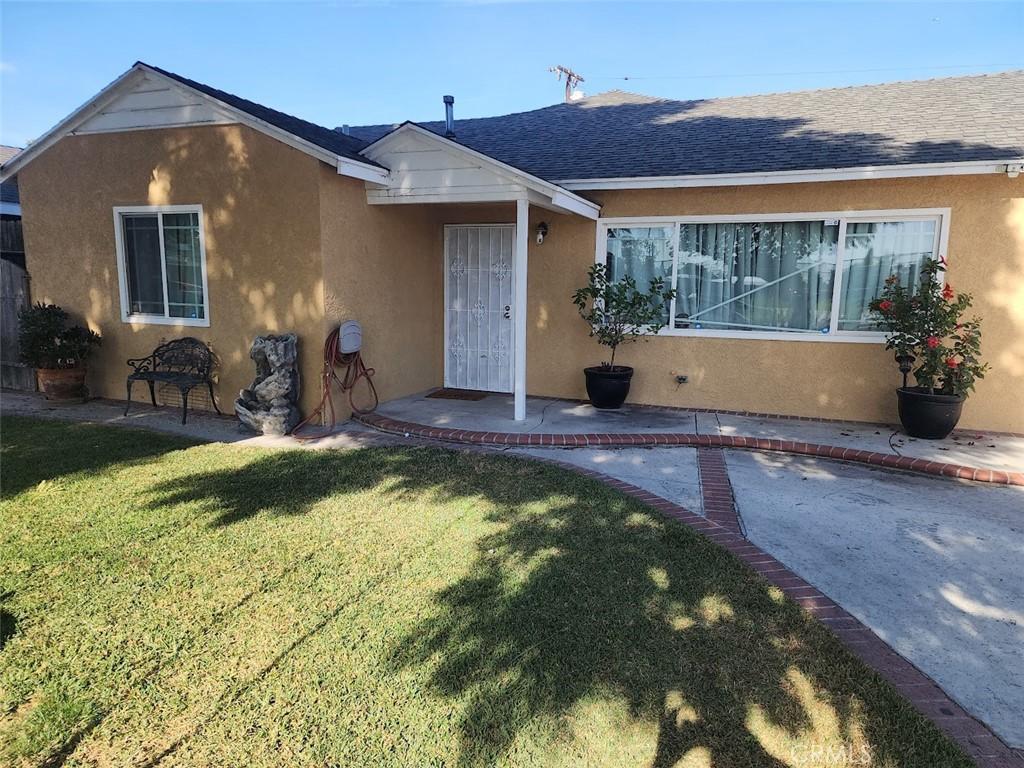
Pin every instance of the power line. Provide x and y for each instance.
(805, 72)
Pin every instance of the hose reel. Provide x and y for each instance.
(342, 349)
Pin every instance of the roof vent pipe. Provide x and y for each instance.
(449, 117)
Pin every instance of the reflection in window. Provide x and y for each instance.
(767, 276)
(875, 250)
(643, 253)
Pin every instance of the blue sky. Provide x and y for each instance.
(369, 62)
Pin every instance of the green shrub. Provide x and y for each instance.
(618, 312)
(45, 340)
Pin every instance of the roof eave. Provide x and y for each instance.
(803, 176)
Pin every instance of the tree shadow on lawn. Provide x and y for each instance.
(8, 621)
(34, 450)
(584, 596)
(621, 606)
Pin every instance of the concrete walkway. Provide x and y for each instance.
(202, 425)
(494, 414)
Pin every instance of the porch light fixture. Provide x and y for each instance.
(542, 232)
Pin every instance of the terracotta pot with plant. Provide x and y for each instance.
(926, 328)
(56, 351)
(618, 312)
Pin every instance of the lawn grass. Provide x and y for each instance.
(168, 604)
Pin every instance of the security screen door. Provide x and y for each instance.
(479, 306)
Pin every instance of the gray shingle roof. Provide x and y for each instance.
(6, 153)
(620, 134)
(9, 189)
(326, 138)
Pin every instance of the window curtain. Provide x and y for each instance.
(875, 250)
(771, 276)
(643, 253)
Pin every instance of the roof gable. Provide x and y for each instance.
(427, 168)
(150, 101)
(329, 139)
(149, 97)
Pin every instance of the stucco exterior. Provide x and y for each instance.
(822, 379)
(291, 245)
(382, 266)
(261, 214)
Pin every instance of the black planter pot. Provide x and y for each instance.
(928, 416)
(607, 387)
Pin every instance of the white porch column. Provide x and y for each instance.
(522, 241)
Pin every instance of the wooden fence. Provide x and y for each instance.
(13, 297)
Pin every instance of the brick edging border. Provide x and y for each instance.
(924, 694)
(625, 439)
(716, 490)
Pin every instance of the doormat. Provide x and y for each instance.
(458, 394)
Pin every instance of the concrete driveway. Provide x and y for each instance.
(934, 566)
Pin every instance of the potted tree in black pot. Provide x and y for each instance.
(926, 329)
(618, 312)
(56, 351)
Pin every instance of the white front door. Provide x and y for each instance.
(479, 306)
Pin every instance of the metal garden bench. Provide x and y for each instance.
(182, 363)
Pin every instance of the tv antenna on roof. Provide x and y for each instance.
(571, 80)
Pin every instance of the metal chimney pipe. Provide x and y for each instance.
(449, 117)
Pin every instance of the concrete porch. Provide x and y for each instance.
(487, 421)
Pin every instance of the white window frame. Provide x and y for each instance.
(941, 215)
(136, 318)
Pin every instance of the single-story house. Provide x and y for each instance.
(164, 207)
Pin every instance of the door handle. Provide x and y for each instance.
(508, 312)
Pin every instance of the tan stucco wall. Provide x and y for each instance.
(261, 217)
(823, 379)
(383, 267)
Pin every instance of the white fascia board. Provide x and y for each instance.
(104, 97)
(386, 197)
(10, 209)
(559, 196)
(571, 203)
(61, 129)
(362, 171)
(793, 177)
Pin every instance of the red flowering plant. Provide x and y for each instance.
(926, 326)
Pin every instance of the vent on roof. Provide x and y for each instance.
(344, 129)
(449, 117)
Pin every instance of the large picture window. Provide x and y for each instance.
(162, 264)
(809, 277)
